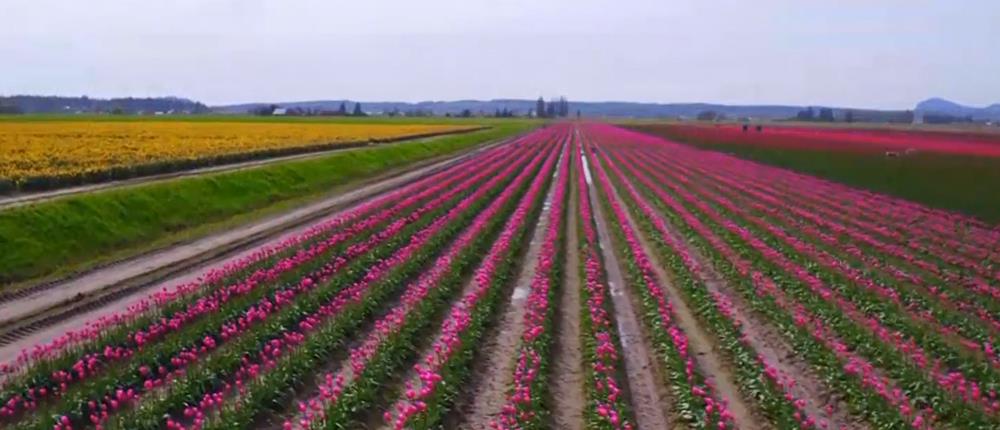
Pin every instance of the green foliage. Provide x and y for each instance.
(953, 182)
(63, 235)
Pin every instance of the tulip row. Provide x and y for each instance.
(138, 321)
(325, 329)
(943, 244)
(261, 392)
(953, 307)
(525, 407)
(964, 378)
(964, 241)
(233, 333)
(89, 396)
(94, 357)
(897, 264)
(607, 402)
(940, 313)
(441, 371)
(377, 356)
(810, 337)
(696, 400)
(835, 306)
(777, 398)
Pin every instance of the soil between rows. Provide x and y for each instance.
(646, 390)
(494, 372)
(763, 338)
(568, 399)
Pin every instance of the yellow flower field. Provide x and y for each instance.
(49, 154)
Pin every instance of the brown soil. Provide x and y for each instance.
(568, 399)
(644, 387)
(493, 372)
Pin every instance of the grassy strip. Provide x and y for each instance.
(952, 182)
(66, 235)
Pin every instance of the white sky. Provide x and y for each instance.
(860, 53)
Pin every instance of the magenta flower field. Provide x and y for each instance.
(580, 276)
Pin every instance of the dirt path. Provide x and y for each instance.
(179, 264)
(494, 372)
(767, 341)
(648, 402)
(22, 199)
(568, 399)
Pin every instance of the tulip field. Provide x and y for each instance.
(580, 276)
(944, 169)
(46, 154)
(845, 139)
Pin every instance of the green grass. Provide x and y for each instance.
(59, 237)
(958, 183)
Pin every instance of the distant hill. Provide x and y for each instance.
(946, 107)
(127, 105)
(520, 106)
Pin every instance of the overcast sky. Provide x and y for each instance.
(856, 53)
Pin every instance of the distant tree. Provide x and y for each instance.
(498, 114)
(357, 110)
(563, 107)
(578, 114)
(264, 110)
(849, 116)
(826, 114)
(550, 110)
(10, 110)
(806, 115)
(343, 109)
(906, 117)
(466, 113)
(117, 111)
(707, 115)
(540, 107)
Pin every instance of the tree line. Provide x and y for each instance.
(553, 109)
(274, 109)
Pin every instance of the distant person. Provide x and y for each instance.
(746, 128)
(760, 128)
